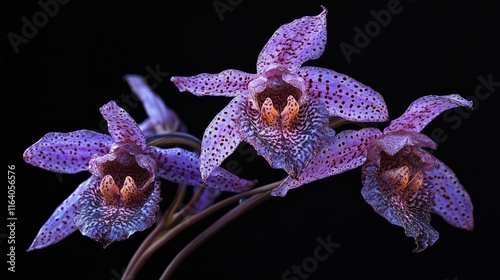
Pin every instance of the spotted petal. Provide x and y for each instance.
(451, 202)
(222, 136)
(183, 167)
(288, 143)
(161, 118)
(121, 125)
(346, 152)
(393, 142)
(109, 223)
(228, 83)
(424, 110)
(60, 224)
(344, 96)
(402, 199)
(67, 152)
(294, 43)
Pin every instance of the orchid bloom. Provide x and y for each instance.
(283, 109)
(122, 194)
(403, 182)
(161, 119)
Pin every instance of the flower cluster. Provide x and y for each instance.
(286, 111)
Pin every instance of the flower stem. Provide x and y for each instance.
(168, 219)
(153, 246)
(162, 225)
(230, 216)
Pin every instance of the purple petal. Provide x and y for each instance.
(346, 152)
(401, 195)
(452, 202)
(425, 109)
(181, 166)
(125, 160)
(60, 224)
(226, 83)
(109, 223)
(288, 143)
(121, 126)
(206, 199)
(393, 142)
(294, 43)
(161, 118)
(222, 136)
(67, 152)
(344, 96)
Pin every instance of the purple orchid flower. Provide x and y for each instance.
(402, 181)
(162, 119)
(283, 109)
(122, 194)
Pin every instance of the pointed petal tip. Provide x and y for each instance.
(35, 246)
(469, 227)
(31, 248)
(128, 77)
(325, 10)
(204, 176)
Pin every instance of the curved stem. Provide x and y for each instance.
(181, 191)
(212, 230)
(185, 224)
(175, 139)
(168, 219)
(161, 225)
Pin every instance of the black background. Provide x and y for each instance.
(75, 63)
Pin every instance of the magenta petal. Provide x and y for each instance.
(111, 223)
(294, 43)
(121, 126)
(183, 167)
(346, 152)
(221, 137)
(425, 109)
(289, 146)
(451, 202)
(67, 152)
(161, 118)
(60, 224)
(226, 83)
(344, 96)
